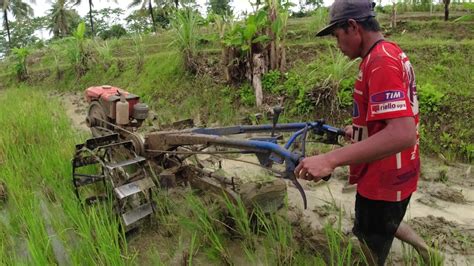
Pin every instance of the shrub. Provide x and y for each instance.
(430, 98)
(116, 31)
(20, 66)
(270, 80)
(344, 94)
(247, 96)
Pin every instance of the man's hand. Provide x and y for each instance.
(348, 130)
(314, 168)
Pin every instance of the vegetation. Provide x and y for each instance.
(308, 76)
(20, 66)
(44, 218)
(19, 9)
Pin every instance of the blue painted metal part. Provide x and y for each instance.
(269, 146)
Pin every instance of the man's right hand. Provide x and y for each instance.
(348, 131)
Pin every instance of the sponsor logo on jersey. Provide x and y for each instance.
(388, 107)
(386, 96)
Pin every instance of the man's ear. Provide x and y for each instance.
(353, 25)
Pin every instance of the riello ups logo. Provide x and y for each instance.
(387, 101)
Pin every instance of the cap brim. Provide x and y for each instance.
(327, 30)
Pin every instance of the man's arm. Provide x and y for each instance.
(398, 134)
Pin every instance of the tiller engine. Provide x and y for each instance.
(130, 165)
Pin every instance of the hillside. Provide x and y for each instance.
(151, 66)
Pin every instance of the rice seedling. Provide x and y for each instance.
(203, 220)
(241, 222)
(278, 242)
(37, 172)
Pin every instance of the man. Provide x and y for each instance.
(384, 156)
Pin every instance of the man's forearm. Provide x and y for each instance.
(392, 139)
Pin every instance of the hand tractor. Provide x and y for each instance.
(131, 164)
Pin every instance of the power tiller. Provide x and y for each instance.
(130, 165)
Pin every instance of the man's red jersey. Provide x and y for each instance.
(385, 88)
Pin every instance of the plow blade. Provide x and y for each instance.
(139, 186)
(137, 214)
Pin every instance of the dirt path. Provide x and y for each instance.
(442, 210)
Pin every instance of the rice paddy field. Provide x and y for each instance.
(42, 119)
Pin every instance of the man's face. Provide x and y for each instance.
(348, 41)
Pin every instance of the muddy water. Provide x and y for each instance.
(448, 220)
(76, 109)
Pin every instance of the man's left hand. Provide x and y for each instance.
(314, 168)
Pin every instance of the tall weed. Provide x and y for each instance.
(105, 53)
(185, 25)
(138, 50)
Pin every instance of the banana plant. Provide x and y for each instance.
(77, 52)
(20, 69)
(242, 36)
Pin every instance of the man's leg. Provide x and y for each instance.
(406, 234)
(375, 225)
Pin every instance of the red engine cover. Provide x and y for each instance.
(108, 96)
(104, 92)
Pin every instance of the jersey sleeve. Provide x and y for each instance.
(387, 89)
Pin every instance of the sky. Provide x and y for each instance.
(41, 6)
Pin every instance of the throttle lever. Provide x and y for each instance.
(276, 114)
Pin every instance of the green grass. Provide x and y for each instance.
(44, 222)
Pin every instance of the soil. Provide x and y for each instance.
(441, 211)
(76, 108)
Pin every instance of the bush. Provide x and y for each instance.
(270, 81)
(20, 69)
(345, 92)
(430, 98)
(116, 31)
(247, 96)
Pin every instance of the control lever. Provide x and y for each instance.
(276, 114)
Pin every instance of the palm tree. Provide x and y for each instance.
(145, 4)
(19, 10)
(78, 2)
(61, 18)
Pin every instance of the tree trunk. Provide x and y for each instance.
(5, 16)
(282, 58)
(273, 45)
(258, 69)
(225, 55)
(90, 17)
(176, 3)
(150, 8)
(446, 11)
(394, 16)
